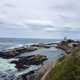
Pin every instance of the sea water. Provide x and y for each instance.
(7, 70)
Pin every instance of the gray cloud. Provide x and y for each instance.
(39, 18)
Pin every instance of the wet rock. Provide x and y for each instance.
(41, 45)
(68, 45)
(10, 53)
(7, 76)
(24, 62)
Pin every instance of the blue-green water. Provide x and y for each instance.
(6, 67)
(13, 42)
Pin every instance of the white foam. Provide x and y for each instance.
(5, 65)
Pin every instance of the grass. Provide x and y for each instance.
(67, 68)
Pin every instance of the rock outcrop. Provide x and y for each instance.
(11, 53)
(25, 62)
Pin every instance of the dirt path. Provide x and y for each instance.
(49, 68)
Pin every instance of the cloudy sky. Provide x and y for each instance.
(40, 18)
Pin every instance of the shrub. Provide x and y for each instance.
(67, 69)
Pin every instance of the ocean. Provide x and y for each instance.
(10, 42)
(6, 43)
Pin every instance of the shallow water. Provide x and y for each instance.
(6, 68)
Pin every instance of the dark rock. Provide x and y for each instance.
(23, 62)
(16, 51)
(41, 45)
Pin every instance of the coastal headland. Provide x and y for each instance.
(69, 47)
(68, 65)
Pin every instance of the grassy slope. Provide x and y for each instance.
(66, 69)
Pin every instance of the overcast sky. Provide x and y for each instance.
(40, 18)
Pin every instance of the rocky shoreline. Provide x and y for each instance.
(69, 46)
(11, 53)
(34, 63)
(23, 63)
